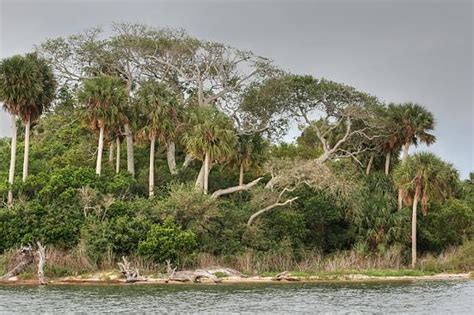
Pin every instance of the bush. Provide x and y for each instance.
(28, 222)
(119, 235)
(445, 225)
(167, 242)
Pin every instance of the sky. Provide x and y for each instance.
(401, 51)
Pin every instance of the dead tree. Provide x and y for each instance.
(24, 258)
(41, 262)
(131, 274)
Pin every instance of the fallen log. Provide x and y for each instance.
(25, 257)
(284, 276)
(131, 274)
(189, 275)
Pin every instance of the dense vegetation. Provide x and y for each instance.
(196, 170)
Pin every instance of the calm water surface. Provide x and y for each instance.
(453, 297)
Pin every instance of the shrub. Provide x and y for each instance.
(167, 242)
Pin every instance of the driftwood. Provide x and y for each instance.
(284, 276)
(41, 262)
(131, 274)
(25, 257)
(189, 275)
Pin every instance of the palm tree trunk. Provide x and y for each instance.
(98, 166)
(206, 172)
(130, 154)
(187, 160)
(387, 162)
(413, 228)
(406, 146)
(27, 149)
(369, 165)
(111, 153)
(117, 157)
(151, 177)
(241, 174)
(11, 173)
(171, 157)
(200, 179)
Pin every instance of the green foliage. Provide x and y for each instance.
(448, 224)
(54, 224)
(167, 242)
(378, 224)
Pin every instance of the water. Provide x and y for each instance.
(454, 297)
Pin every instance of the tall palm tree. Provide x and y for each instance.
(424, 177)
(159, 108)
(210, 136)
(103, 97)
(42, 87)
(27, 86)
(415, 123)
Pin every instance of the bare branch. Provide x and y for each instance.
(233, 189)
(268, 208)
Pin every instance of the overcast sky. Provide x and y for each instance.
(419, 51)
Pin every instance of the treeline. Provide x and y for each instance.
(185, 137)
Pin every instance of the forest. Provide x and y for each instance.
(152, 144)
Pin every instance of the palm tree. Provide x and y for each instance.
(103, 97)
(250, 152)
(424, 177)
(41, 87)
(27, 86)
(159, 108)
(392, 142)
(210, 136)
(415, 122)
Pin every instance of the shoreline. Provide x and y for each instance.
(348, 278)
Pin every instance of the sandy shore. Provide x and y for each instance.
(113, 279)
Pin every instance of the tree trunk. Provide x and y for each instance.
(98, 166)
(200, 179)
(206, 172)
(117, 161)
(413, 228)
(241, 174)
(171, 157)
(27, 150)
(387, 162)
(41, 262)
(151, 178)
(187, 160)
(369, 165)
(11, 173)
(406, 146)
(130, 154)
(111, 153)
